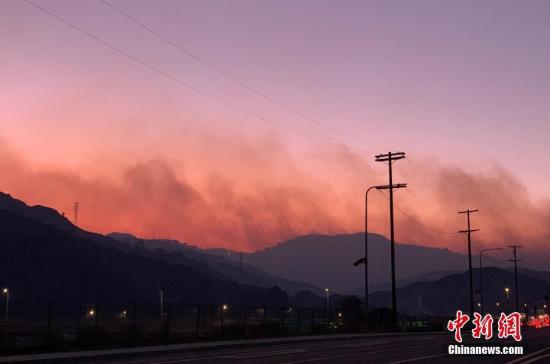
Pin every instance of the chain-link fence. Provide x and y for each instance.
(62, 325)
(102, 324)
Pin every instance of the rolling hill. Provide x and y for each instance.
(44, 257)
(447, 294)
(327, 261)
(177, 252)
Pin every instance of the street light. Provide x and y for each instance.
(6, 291)
(161, 293)
(364, 260)
(327, 292)
(224, 308)
(481, 276)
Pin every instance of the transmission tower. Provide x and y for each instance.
(76, 213)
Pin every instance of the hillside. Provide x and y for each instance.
(327, 261)
(182, 253)
(44, 257)
(445, 295)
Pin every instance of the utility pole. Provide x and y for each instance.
(390, 158)
(516, 260)
(469, 231)
(76, 213)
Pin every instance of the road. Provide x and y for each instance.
(429, 348)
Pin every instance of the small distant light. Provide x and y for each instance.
(5, 290)
(498, 303)
(339, 314)
(326, 290)
(91, 312)
(225, 307)
(478, 304)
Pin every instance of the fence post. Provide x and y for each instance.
(134, 313)
(221, 319)
(167, 323)
(96, 322)
(197, 329)
(49, 319)
(78, 331)
(245, 319)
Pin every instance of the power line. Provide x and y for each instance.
(425, 227)
(187, 85)
(426, 204)
(227, 75)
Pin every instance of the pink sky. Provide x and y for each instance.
(459, 86)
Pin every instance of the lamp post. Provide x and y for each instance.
(224, 308)
(6, 291)
(364, 260)
(507, 291)
(327, 292)
(481, 276)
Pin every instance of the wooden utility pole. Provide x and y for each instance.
(516, 260)
(390, 158)
(469, 231)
